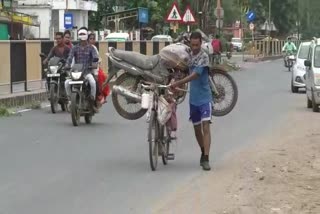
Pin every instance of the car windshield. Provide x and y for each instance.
(303, 52)
(317, 57)
(236, 40)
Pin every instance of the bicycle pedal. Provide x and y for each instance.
(170, 156)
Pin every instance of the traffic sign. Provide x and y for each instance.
(251, 26)
(219, 12)
(174, 14)
(219, 23)
(251, 16)
(188, 16)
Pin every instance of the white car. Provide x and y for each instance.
(117, 37)
(299, 70)
(237, 44)
(313, 75)
(162, 38)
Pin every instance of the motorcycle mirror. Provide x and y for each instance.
(42, 55)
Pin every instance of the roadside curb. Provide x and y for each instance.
(23, 99)
(262, 59)
(12, 101)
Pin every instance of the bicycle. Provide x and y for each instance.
(158, 115)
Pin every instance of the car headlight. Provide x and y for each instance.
(76, 75)
(317, 79)
(54, 69)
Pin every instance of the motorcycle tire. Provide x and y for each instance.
(53, 98)
(121, 108)
(75, 114)
(217, 110)
(88, 118)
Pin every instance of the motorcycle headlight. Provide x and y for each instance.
(54, 69)
(75, 75)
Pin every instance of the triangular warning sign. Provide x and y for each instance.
(188, 16)
(174, 15)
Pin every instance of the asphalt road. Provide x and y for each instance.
(49, 166)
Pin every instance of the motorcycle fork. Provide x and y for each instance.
(213, 87)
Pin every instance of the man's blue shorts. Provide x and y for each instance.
(198, 114)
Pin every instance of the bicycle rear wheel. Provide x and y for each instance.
(153, 139)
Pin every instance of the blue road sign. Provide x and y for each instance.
(68, 20)
(251, 16)
(143, 15)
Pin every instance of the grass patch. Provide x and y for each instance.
(34, 105)
(4, 112)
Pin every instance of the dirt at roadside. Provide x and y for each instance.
(280, 175)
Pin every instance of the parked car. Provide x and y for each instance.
(162, 38)
(117, 37)
(313, 75)
(299, 70)
(237, 44)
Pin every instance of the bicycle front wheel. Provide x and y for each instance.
(166, 140)
(153, 139)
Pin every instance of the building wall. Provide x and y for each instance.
(44, 16)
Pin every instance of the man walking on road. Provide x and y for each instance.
(200, 97)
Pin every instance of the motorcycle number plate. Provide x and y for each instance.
(53, 75)
(75, 82)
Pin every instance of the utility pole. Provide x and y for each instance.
(298, 22)
(269, 29)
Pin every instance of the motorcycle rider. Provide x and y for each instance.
(60, 50)
(289, 47)
(83, 53)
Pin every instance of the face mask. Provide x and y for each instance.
(84, 35)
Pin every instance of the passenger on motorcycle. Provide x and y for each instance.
(83, 53)
(99, 75)
(60, 50)
(67, 38)
(289, 48)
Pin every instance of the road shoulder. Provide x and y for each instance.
(279, 174)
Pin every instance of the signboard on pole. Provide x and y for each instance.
(174, 14)
(251, 26)
(143, 15)
(188, 16)
(68, 20)
(251, 16)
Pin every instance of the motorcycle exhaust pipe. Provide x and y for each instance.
(126, 93)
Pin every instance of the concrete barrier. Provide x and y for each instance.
(21, 67)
